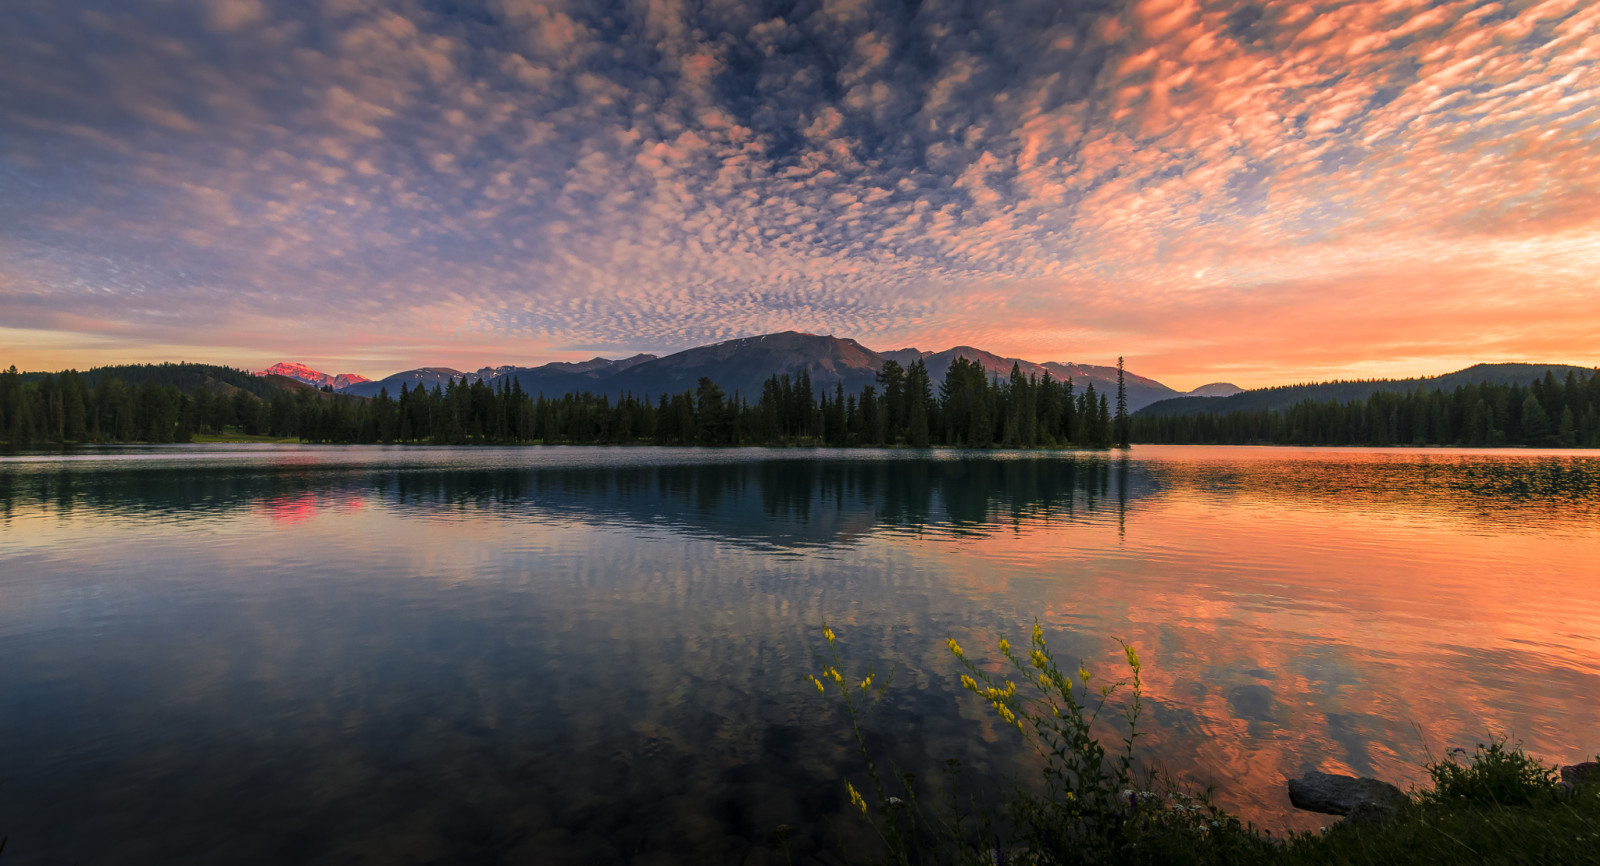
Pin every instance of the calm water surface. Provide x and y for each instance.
(345, 655)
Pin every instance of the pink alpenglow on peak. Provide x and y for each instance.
(313, 377)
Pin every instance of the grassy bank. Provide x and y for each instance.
(1555, 829)
(227, 438)
(1496, 805)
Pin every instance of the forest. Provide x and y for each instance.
(969, 408)
(176, 402)
(1544, 413)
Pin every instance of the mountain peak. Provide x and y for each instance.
(315, 378)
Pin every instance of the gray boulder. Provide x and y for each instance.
(1586, 773)
(1369, 812)
(1341, 795)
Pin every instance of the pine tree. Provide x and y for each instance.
(892, 381)
(1567, 429)
(1535, 423)
(1123, 428)
(919, 390)
(714, 425)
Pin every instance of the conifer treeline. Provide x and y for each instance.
(969, 408)
(1547, 412)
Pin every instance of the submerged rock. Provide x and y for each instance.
(1332, 794)
(1586, 773)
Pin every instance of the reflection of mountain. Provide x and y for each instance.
(777, 501)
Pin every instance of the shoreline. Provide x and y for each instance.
(210, 440)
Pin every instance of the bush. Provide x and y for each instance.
(1086, 808)
(1496, 775)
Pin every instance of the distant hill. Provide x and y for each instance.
(312, 377)
(1216, 389)
(190, 378)
(1282, 397)
(579, 375)
(187, 377)
(744, 365)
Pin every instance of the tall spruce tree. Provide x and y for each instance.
(1124, 430)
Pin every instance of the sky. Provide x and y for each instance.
(1257, 192)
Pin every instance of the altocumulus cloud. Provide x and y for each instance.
(1265, 189)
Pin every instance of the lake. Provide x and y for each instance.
(593, 655)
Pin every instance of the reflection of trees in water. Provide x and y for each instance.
(779, 502)
(821, 500)
(166, 491)
(787, 502)
(658, 683)
(1489, 487)
(806, 500)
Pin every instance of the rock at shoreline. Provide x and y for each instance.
(1332, 794)
(1586, 773)
(1369, 812)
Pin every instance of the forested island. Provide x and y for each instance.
(967, 408)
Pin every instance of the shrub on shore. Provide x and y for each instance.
(1496, 805)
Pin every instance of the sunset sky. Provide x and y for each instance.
(1252, 192)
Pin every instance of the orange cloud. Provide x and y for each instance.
(1278, 191)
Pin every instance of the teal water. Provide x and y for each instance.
(338, 655)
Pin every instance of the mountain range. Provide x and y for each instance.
(742, 366)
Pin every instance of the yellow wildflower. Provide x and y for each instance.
(1038, 659)
(1038, 634)
(954, 647)
(968, 683)
(1133, 656)
(1005, 713)
(816, 682)
(827, 633)
(1011, 688)
(866, 683)
(1083, 674)
(856, 799)
(837, 677)
(1005, 648)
